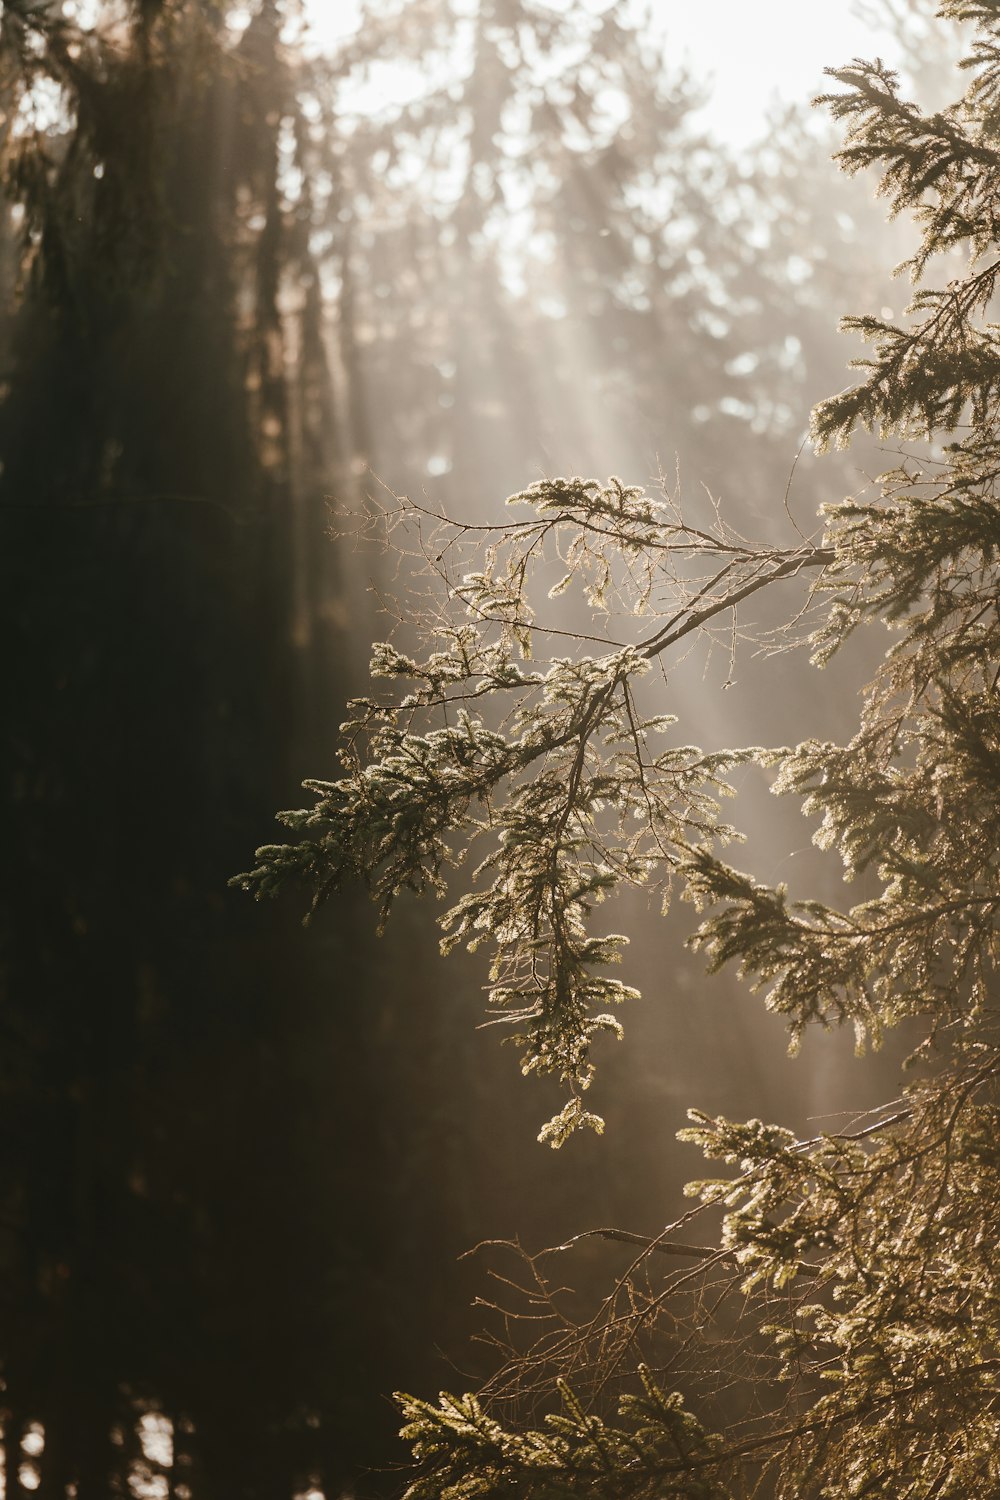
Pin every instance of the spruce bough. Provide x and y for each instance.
(855, 1276)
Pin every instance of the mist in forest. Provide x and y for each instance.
(250, 289)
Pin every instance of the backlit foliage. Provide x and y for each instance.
(550, 768)
(838, 1335)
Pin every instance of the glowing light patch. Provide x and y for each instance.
(752, 57)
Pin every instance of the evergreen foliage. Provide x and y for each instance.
(839, 1338)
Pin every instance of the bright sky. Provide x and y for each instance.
(756, 50)
(752, 50)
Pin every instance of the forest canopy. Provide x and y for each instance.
(834, 1333)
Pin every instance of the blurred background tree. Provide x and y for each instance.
(234, 282)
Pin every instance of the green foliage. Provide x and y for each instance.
(841, 1336)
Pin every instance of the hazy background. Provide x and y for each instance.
(255, 263)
